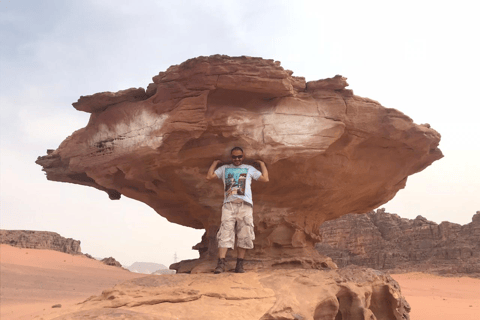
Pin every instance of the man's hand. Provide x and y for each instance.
(263, 167)
(211, 171)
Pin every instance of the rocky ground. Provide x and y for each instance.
(43, 278)
(34, 281)
(274, 294)
(385, 241)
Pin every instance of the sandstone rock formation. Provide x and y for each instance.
(328, 151)
(40, 240)
(381, 240)
(348, 294)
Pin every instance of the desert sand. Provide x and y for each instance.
(436, 298)
(32, 281)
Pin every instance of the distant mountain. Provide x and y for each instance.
(46, 240)
(146, 267)
(40, 240)
(165, 271)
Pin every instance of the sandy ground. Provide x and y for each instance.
(32, 281)
(440, 298)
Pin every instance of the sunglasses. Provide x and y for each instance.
(237, 157)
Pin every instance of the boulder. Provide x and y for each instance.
(110, 261)
(328, 152)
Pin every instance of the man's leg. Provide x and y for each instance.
(241, 253)
(245, 234)
(222, 252)
(225, 236)
(240, 257)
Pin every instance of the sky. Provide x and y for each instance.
(420, 57)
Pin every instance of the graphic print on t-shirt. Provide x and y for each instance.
(235, 181)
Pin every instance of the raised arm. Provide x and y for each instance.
(263, 167)
(211, 171)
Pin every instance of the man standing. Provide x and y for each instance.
(237, 209)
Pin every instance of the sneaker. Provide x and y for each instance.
(220, 266)
(239, 267)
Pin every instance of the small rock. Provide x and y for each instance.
(57, 306)
(111, 262)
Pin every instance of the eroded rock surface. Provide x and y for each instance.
(349, 294)
(328, 151)
(381, 240)
(40, 240)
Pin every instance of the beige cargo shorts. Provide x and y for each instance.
(236, 217)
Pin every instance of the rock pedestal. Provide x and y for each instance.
(328, 151)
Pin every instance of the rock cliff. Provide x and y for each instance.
(328, 151)
(381, 240)
(40, 240)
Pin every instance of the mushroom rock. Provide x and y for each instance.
(328, 152)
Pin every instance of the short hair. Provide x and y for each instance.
(236, 148)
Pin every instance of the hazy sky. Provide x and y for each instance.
(420, 57)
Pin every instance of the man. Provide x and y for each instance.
(237, 209)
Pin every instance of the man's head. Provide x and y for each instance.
(237, 156)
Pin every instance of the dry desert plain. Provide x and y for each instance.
(32, 281)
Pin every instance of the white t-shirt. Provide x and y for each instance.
(237, 181)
